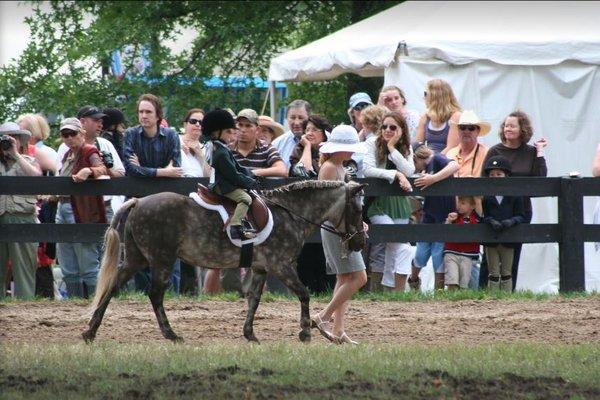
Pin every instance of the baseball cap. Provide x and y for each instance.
(249, 114)
(90, 111)
(112, 116)
(71, 123)
(360, 97)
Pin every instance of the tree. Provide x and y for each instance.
(65, 65)
(330, 97)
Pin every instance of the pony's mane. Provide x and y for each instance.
(302, 185)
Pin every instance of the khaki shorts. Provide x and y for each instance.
(458, 270)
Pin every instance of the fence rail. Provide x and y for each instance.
(570, 233)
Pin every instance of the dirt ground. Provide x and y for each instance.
(566, 321)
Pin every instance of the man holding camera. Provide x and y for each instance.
(17, 209)
(91, 121)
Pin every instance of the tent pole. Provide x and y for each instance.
(273, 95)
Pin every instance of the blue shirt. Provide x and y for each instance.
(437, 208)
(285, 145)
(153, 153)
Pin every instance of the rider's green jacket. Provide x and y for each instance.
(229, 175)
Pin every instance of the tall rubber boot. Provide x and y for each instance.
(74, 289)
(375, 282)
(493, 283)
(506, 283)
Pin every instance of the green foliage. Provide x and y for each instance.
(65, 65)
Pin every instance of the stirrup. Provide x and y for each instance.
(238, 232)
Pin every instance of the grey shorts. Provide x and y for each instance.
(458, 270)
(332, 247)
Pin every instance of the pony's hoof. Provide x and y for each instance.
(88, 337)
(304, 336)
(177, 339)
(251, 338)
(174, 338)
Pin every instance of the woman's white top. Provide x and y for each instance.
(191, 166)
(372, 169)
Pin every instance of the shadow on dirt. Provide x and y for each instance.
(234, 382)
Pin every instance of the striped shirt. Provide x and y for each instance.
(262, 156)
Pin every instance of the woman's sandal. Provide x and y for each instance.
(344, 338)
(323, 327)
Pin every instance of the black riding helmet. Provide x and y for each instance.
(215, 121)
(497, 162)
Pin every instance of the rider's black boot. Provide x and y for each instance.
(238, 232)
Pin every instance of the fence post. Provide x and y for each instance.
(571, 247)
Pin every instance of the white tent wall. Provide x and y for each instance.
(563, 106)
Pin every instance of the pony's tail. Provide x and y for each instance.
(110, 260)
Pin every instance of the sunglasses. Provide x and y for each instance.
(360, 106)
(469, 128)
(68, 132)
(195, 121)
(390, 127)
(425, 93)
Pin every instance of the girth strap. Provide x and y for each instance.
(246, 255)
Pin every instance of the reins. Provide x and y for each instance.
(345, 236)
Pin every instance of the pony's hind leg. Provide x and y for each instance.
(160, 281)
(253, 296)
(289, 277)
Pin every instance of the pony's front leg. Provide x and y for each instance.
(253, 295)
(289, 277)
(160, 280)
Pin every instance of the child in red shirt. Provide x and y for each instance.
(459, 257)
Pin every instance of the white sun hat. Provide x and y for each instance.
(343, 138)
(468, 117)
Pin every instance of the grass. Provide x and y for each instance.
(382, 296)
(110, 370)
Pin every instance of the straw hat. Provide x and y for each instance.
(342, 138)
(468, 117)
(277, 128)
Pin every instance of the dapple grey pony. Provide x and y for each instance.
(158, 229)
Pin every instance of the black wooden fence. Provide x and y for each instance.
(570, 233)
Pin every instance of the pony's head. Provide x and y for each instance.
(349, 215)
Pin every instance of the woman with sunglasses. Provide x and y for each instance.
(79, 262)
(389, 156)
(193, 158)
(304, 160)
(194, 165)
(437, 126)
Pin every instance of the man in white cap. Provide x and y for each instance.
(17, 209)
(263, 159)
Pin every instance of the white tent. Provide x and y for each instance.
(541, 57)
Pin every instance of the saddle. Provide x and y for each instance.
(258, 212)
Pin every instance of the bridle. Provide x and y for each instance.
(344, 236)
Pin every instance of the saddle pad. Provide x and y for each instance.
(261, 236)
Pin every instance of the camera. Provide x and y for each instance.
(108, 159)
(5, 142)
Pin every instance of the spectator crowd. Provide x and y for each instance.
(398, 143)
